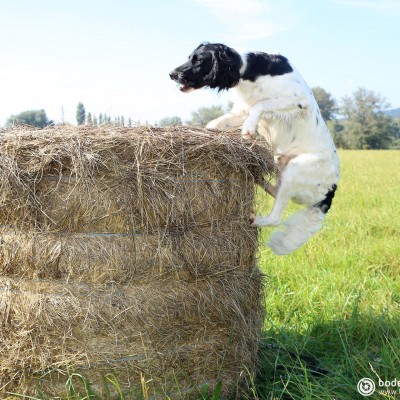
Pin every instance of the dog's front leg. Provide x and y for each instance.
(229, 121)
(283, 105)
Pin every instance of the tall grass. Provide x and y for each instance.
(333, 307)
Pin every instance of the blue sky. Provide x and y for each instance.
(115, 56)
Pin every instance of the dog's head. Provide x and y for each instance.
(211, 64)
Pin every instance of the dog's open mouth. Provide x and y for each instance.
(186, 88)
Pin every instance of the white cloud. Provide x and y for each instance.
(244, 19)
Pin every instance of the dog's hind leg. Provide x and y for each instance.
(267, 186)
(282, 199)
(281, 191)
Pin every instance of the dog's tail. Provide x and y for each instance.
(299, 228)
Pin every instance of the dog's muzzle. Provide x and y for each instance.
(175, 76)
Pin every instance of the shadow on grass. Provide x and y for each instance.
(328, 360)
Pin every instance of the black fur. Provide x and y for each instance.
(325, 204)
(265, 64)
(214, 65)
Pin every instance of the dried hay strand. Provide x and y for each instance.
(128, 250)
(104, 258)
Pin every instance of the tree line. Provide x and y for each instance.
(358, 121)
(83, 118)
(38, 118)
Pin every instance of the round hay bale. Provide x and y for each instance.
(128, 251)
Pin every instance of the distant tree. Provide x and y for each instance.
(89, 120)
(119, 120)
(204, 115)
(95, 123)
(326, 103)
(170, 121)
(80, 114)
(365, 124)
(101, 118)
(336, 128)
(396, 134)
(35, 118)
(129, 122)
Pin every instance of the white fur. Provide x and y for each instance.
(297, 229)
(286, 114)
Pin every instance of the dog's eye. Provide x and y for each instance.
(195, 60)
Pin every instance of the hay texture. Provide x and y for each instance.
(128, 251)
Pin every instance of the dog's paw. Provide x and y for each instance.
(249, 128)
(252, 216)
(259, 220)
(256, 221)
(247, 137)
(214, 124)
(248, 134)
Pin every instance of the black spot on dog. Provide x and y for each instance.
(259, 64)
(326, 203)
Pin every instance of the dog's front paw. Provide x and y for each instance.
(215, 124)
(249, 128)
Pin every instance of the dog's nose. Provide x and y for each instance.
(173, 75)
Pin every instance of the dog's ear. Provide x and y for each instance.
(225, 72)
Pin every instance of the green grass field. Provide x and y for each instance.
(333, 307)
(335, 303)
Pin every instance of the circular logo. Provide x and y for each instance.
(366, 387)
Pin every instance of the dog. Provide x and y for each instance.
(272, 95)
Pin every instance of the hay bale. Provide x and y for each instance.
(128, 251)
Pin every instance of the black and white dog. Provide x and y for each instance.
(271, 92)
